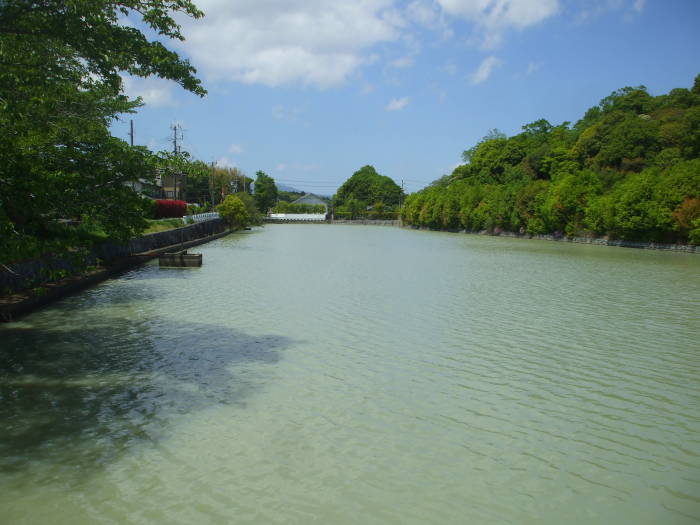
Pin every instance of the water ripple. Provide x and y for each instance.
(329, 374)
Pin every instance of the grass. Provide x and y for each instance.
(161, 225)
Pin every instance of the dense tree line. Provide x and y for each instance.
(629, 169)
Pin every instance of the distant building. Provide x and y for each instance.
(310, 198)
(147, 188)
(172, 186)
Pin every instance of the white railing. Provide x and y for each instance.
(298, 216)
(200, 217)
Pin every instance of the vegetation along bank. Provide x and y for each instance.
(629, 170)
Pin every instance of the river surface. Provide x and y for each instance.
(358, 374)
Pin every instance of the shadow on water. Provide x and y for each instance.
(81, 397)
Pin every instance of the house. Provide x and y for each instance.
(310, 198)
(172, 185)
(145, 187)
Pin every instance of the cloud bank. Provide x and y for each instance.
(321, 44)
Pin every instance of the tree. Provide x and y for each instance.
(233, 211)
(696, 85)
(246, 198)
(188, 175)
(635, 100)
(265, 191)
(366, 187)
(629, 169)
(60, 88)
(90, 31)
(222, 181)
(493, 134)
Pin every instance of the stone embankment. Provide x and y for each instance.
(370, 222)
(601, 241)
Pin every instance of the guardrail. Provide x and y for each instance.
(200, 217)
(297, 217)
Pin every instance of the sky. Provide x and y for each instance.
(309, 91)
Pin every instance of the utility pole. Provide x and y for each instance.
(211, 184)
(175, 127)
(131, 132)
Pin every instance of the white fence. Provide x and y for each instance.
(298, 216)
(199, 217)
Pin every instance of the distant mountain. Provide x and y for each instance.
(284, 187)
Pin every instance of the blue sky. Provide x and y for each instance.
(309, 91)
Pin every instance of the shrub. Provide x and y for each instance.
(170, 208)
(149, 208)
(234, 211)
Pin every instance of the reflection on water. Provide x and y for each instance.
(82, 395)
(330, 374)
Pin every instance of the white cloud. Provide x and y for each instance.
(225, 162)
(403, 62)
(397, 104)
(322, 44)
(281, 166)
(483, 72)
(424, 12)
(276, 42)
(493, 17)
(235, 148)
(598, 8)
(154, 91)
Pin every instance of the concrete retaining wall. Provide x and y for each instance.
(27, 274)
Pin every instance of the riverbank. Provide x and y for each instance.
(21, 303)
(366, 222)
(600, 241)
(369, 222)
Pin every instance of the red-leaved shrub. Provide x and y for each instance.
(169, 208)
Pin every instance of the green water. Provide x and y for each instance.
(369, 375)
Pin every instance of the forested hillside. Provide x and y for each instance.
(629, 169)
